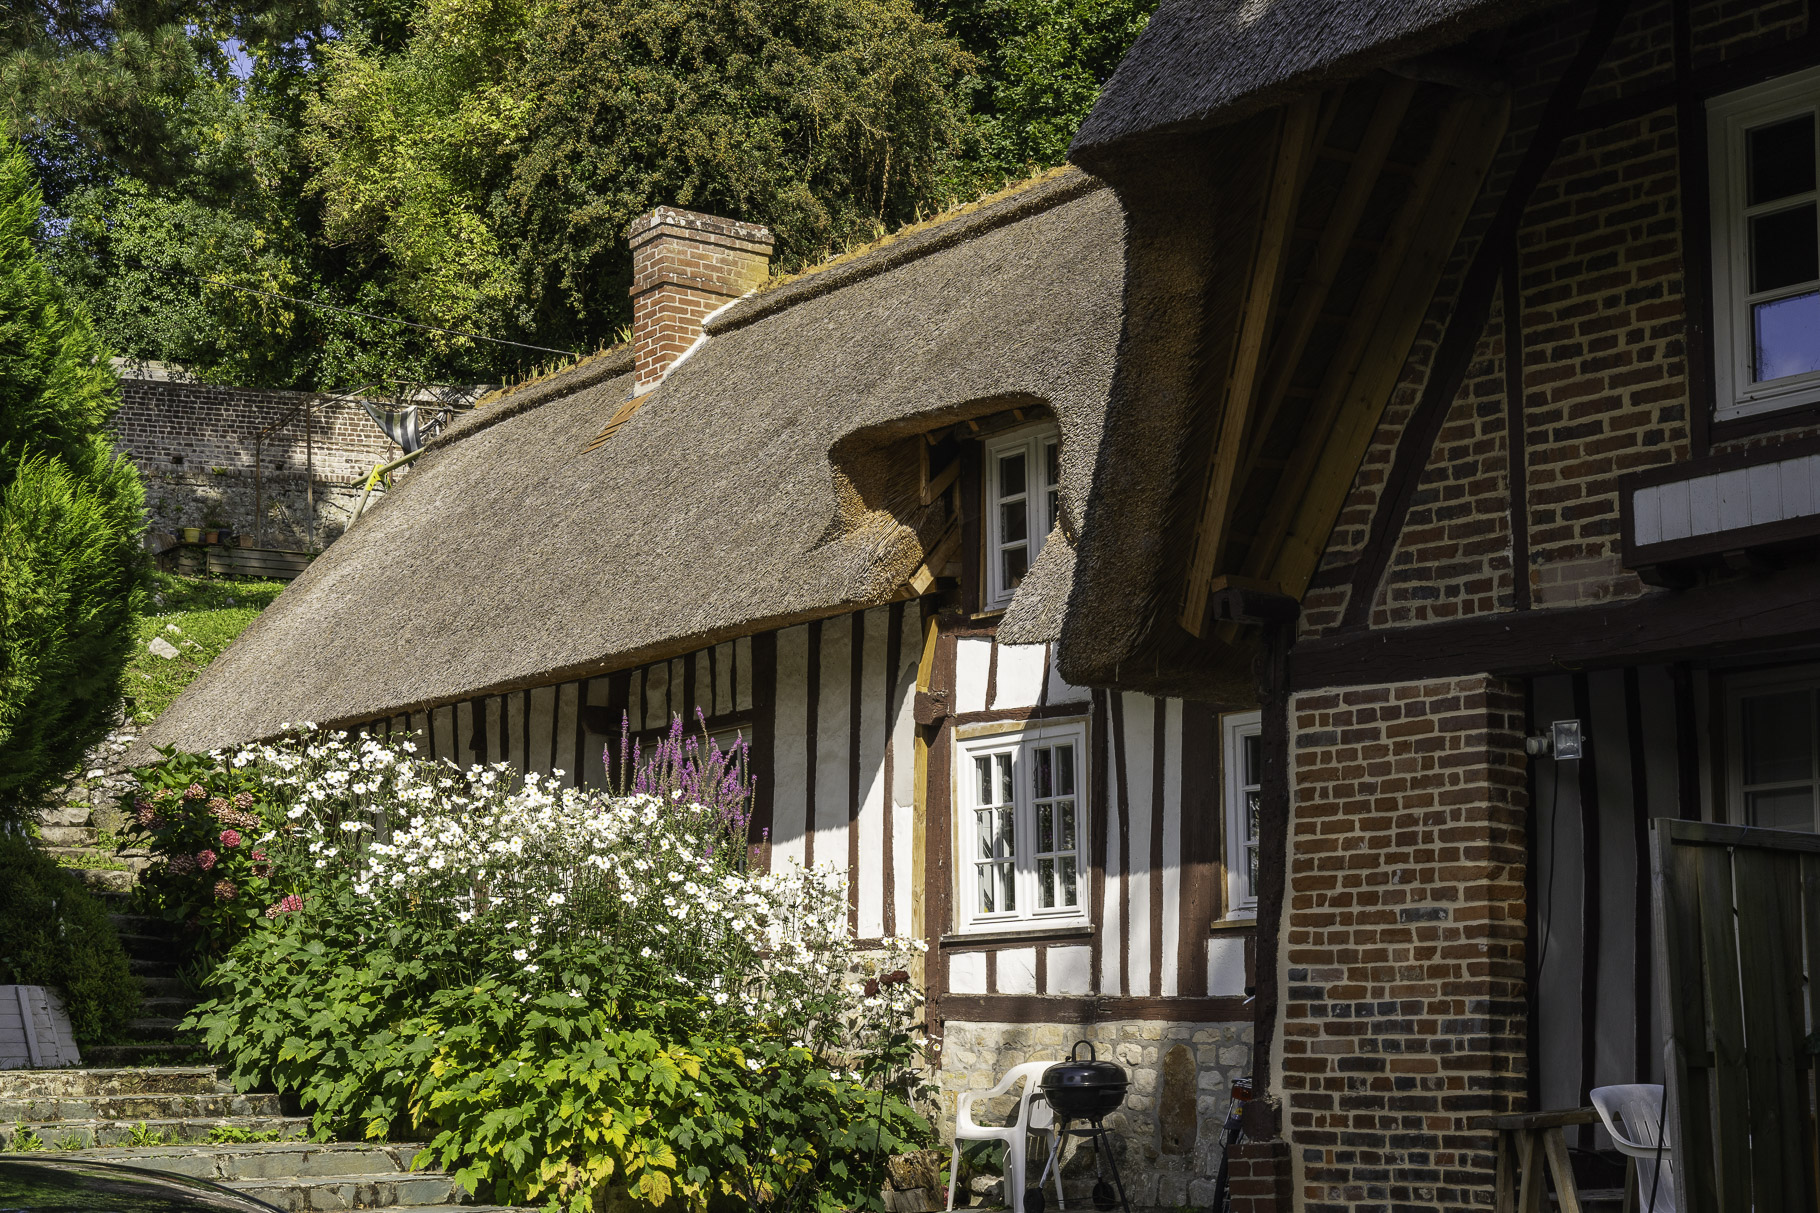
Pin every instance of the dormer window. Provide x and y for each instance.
(1765, 145)
(1023, 476)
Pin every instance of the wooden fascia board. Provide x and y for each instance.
(1311, 297)
(1293, 148)
(1427, 240)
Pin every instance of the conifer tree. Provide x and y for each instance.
(71, 517)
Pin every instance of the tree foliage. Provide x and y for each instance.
(71, 570)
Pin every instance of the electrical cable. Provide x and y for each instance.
(428, 328)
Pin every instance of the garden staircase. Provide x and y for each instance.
(182, 1120)
(151, 948)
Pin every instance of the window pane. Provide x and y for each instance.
(983, 827)
(1064, 770)
(1007, 842)
(1254, 759)
(1070, 896)
(1784, 248)
(987, 888)
(1004, 778)
(1016, 564)
(1781, 159)
(1787, 336)
(1044, 780)
(1251, 870)
(1786, 809)
(1014, 518)
(1011, 475)
(1006, 889)
(1778, 734)
(982, 767)
(1045, 828)
(1253, 802)
(1045, 882)
(1054, 511)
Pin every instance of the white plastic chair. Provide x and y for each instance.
(1034, 1115)
(1633, 1116)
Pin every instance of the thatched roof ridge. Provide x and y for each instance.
(511, 558)
(1202, 63)
(514, 399)
(1014, 202)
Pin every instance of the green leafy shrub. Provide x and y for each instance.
(71, 566)
(54, 932)
(579, 997)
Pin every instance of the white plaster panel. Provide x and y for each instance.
(972, 665)
(742, 664)
(594, 769)
(1172, 846)
(1063, 691)
(1017, 971)
(1070, 970)
(874, 732)
(723, 678)
(568, 697)
(1140, 771)
(657, 695)
(790, 753)
(543, 728)
(833, 734)
(1021, 668)
(1226, 966)
(903, 769)
(967, 973)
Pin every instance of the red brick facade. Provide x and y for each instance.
(1403, 941)
(684, 266)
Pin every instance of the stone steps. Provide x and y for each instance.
(72, 1135)
(95, 1114)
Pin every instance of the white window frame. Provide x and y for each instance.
(1034, 441)
(1729, 118)
(1739, 687)
(1235, 729)
(1019, 742)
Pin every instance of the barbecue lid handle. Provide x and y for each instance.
(1074, 1054)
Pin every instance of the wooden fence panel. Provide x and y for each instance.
(1738, 935)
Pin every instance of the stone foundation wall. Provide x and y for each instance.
(1170, 1125)
(230, 501)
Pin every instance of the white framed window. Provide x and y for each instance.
(1242, 756)
(1764, 151)
(1773, 749)
(1023, 477)
(1022, 826)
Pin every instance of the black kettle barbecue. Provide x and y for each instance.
(1085, 1089)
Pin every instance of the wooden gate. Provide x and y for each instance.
(1737, 938)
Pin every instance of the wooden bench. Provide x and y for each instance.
(1531, 1141)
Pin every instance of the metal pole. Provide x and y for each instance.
(259, 489)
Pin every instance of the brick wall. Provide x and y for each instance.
(684, 266)
(1403, 942)
(194, 446)
(1604, 381)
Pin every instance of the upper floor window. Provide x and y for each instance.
(1774, 760)
(1023, 826)
(1023, 475)
(1243, 758)
(1766, 245)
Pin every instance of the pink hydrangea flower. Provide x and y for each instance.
(195, 792)
(287, 905)
(243, 800)
(225, 890)
(205, 859)
(230, 839)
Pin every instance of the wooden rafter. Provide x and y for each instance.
(1366, 167)
(1364, 370)
(1294, 146)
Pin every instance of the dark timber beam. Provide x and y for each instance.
(1293, 147)
(1744, 614)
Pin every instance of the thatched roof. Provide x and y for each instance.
(759, 485)
(1202, 63)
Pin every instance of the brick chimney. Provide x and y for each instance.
(684, 266)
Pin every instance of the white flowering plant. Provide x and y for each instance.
(582, 993)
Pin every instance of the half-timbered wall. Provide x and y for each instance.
(1157, 976)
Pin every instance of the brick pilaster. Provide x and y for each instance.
(684, 266)
(1403, 1007)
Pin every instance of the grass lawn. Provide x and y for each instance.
(197, 616)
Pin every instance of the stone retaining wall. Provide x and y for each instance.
(1169, 1127)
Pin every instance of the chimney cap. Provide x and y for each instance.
(672, 221)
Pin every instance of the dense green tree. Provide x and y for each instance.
(71, 515)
